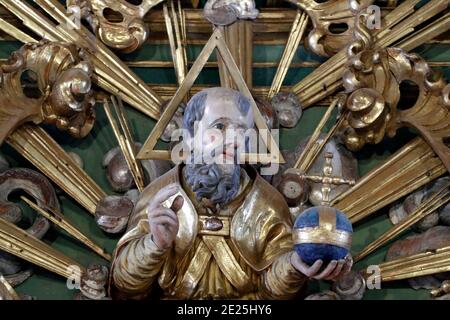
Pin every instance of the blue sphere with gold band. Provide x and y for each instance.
(323, 233)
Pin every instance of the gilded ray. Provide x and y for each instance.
(411, 167)
(429, 206)
(417, 265)
(239, 39)
(295, 36)
(126, 142)
(176, 32)
(19, 243)
(32, 142)
(62, 222)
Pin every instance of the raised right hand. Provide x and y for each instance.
(163, 221)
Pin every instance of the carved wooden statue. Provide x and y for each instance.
(212, 230)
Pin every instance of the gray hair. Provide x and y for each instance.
(210, 182)
(195, 109)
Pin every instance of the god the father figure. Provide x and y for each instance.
(213, 230)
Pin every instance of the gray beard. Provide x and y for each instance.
(217, 183)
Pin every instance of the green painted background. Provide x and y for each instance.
(45, 285)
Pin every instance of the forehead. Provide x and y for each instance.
(222, 104)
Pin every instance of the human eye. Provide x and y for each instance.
(219, 126)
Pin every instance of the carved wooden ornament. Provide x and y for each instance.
(324, 39)
(127, 33)
(374, 76)
(60, 77)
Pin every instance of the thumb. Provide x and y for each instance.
(177, 204)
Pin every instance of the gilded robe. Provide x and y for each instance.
(248, 258)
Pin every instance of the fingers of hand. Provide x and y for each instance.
(162, 237)
(301, 266)
(177, 204)
(337, 271)
(162, 195)
(162, 211)
(163, 216)
(166, 222)
(314, 269)
(328, 270)
(348, 264)
(163, 233)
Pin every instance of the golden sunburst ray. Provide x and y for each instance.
(427, 207)
(125, 140)
(416, 265)
(38, 147)
(58, 219)
(295, 36)
(19, 243)
(176, 32)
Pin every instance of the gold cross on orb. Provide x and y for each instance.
(326, 179)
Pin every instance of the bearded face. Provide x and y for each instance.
(217, 120)
(211, 181)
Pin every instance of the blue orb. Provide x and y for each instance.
(323, 233)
